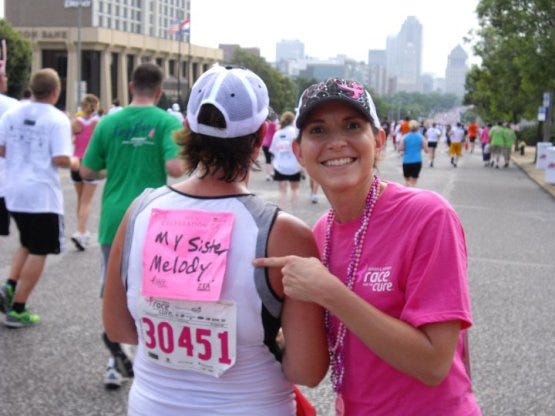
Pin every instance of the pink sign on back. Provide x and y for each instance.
(185, 254)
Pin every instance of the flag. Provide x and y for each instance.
(180, 27)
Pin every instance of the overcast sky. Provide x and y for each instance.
(330, 27)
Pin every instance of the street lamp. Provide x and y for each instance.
(79, 4)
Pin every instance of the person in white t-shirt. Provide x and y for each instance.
(116, 106)
(5, 104)
(35, 140)
(286, 166)
(175, 110)
(433, 134)
(457, 136)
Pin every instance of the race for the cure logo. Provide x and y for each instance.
(185, 254)
(377, 279)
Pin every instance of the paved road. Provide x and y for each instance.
(56, 368)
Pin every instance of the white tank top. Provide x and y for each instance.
(255, 384)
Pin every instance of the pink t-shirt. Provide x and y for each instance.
(271, 130)
(484, 135)
(414, 268)
(83, 138)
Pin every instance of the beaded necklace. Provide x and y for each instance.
(336, 340)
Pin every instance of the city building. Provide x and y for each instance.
(111, 37)
(229, 50)
(455, 73)
(321, 70)
(377, 63)
(290, 57)
(289, 50)
(404, 56)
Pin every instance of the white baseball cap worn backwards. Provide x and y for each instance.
(239, 94)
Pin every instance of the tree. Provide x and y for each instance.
(416, 105)
(282, 90)
(19, 59)
(516, 42)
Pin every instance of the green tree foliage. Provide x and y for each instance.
(282, 90)
(416, 105)
(19, 59)
(516, 43)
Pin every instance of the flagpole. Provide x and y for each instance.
(179, 69)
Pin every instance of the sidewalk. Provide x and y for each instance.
(527, 164)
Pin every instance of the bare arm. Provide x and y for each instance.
(401, 147)
(70, 162)
(76, 126)
(305, 359)
(87, 173)
(2, 151)
(425, 353)
(118, 322)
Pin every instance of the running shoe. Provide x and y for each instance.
(76, 238)
(124, 365)
(19, 320)
(81, 240)
(6, 297)
(121, 361)
(112, 378)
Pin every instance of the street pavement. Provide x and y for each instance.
(56, 368)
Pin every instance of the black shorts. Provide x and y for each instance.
(267, 154)
(40, 233)
(412, 170)
(432, 145)
(4, 218)
(291, 178)
(76, 177)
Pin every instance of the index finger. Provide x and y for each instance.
(271, 261)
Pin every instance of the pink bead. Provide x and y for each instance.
(336, 341)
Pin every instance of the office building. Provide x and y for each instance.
(404, 56)
(377, 63)
(455, 74)
(289, 50)
(113, 37)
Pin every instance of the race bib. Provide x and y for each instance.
(186, 335)
(185, 254)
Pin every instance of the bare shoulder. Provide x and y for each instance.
(291, 235)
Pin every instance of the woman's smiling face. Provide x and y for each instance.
(338, 146)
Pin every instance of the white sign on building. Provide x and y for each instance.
(77, 3)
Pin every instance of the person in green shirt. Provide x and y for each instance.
(134, 150)
(510, 137)
(498, 138)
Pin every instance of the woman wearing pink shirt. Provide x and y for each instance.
(83, 127)
(393, 274)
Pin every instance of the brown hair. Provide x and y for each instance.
(231, 158)
(147, 78)
(286, 119)
(89, 101)
(44, 82)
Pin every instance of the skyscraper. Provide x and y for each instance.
(289, 50)
(455, 74)
(404, 55)
(377, 68)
